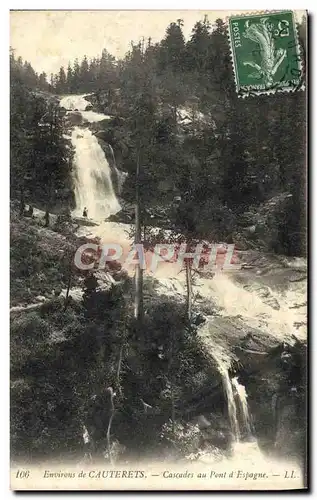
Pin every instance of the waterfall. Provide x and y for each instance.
(93, 184)
(236, 391)
(243, 403)
(74, 102)
(232, 409)
(120, 175)
(92, 177)
(236, 396)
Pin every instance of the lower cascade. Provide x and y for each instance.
(238, 410)
(232, 408)
(241, 395)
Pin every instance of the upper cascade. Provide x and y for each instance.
(94, 192)
(74, 102)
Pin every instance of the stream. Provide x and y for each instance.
(267, 296)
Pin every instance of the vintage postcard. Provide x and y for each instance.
(158, 250)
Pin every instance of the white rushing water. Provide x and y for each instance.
(94, 190)
(92, 116)
(243, 403)
(74, 102)
(232, 409)
(120, 175)
(236, 397)
(246, 455)
(93, 183)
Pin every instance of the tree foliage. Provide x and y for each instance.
(40, 155)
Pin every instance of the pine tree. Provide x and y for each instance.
(94, 68)
(107, 74)
(172, 47)
(69, 78)
(84, 75)
(43, 83)
(198, 48)
(61, 82)
(76, 77)
(29, 75)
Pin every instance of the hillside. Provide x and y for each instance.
(48, 341)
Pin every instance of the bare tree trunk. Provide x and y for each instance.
(119, 370)
(189, 289)
(48, 203)
(138, 301)
(173, 385)
(173, 405)
(109, 424)
(22, 201)
(69, 281)
(47, 218)
(175, 114)
(172, 379)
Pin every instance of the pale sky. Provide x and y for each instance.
(49, 39)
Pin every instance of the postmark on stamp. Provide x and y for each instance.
(265, 52)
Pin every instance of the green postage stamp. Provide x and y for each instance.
(265, 51)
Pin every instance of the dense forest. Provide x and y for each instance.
(210, 166)
(230, 154)
(40, 156)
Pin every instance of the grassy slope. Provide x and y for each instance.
(39, 259)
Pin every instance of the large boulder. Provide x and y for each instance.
(260, 225)
(74, 118)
